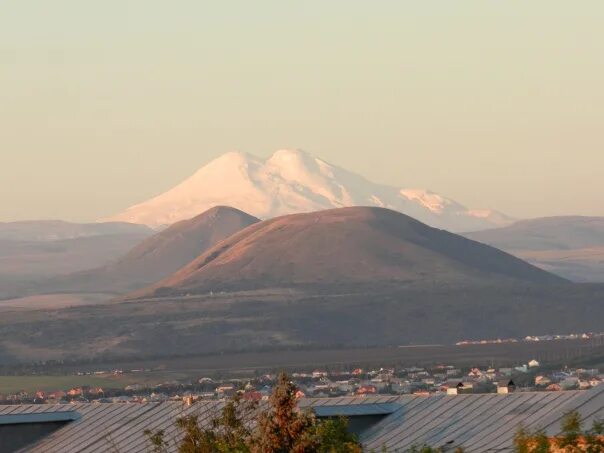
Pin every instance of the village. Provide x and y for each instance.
(441, 379)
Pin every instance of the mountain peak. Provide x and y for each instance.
(295, 181)
(292, 156)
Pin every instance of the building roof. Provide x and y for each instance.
(38, 413)
(479, 423)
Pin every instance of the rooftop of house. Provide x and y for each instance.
(478, 422)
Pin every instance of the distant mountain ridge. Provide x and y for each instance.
(343, 247)
(33, 251)
(56, 230)
(569, 246)
(294, 181)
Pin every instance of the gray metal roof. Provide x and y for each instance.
(38, 417)
(479, 423)
(355, 410)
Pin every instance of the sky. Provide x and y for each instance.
(496, 104)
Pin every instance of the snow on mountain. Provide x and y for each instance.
(292, 181)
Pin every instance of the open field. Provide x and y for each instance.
(469, 355)
(351, 318)
(155, 371)
(12, 384)
(55, 301)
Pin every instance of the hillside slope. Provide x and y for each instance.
(34, 251)
(341, 248)
(159, 255)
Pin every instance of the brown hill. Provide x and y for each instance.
(343, 247)
(158, 256)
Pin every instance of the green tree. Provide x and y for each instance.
(423, 449)
(594, 438)
(244, 428)
(571, 433)
(332, 436)
(158, 443)
(526, 441)
(522, 440)
(572, 438)
(541, 443)
(283, 428)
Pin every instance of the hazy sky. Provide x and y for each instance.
(104, 103)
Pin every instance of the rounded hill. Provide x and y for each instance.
(161, 254)
(346, 246)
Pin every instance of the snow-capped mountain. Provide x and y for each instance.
(292, 181)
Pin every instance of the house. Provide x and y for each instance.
(569, 383)
(76, 391)
(542, 380)
(453, 388)
(158, 397)
(457, 387)
(345, 386)
(40, 395)
(560, 375)
(56, 396)
(96, 391)
(506, 386)
(253, 396)
(401, 387)
(226, 391)
(475, 373)
(366, 390)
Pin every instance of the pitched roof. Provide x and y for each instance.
(479, 423)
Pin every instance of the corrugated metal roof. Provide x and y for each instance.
(34, 408)
(352, 410)
(479, 423)
(38, 417)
